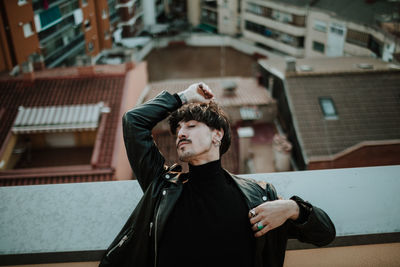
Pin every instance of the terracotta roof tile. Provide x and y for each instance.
(71, 89)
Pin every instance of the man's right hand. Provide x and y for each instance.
(197, 92)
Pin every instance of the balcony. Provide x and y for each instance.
(76, 222)
(281, 26)
(56, 30)
(62, 53)
(273, 43)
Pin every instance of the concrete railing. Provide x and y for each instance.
(76, 222)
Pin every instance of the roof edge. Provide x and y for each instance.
(73, 170)
(352, 149)
(349, 72)
(74, 72)
(294, 120)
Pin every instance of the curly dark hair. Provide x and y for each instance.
(208, 113)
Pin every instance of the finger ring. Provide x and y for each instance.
(260, 226)
(253, 213)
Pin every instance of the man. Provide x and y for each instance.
(206, 217)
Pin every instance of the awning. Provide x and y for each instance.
(207, 28)
(50, 17)
(58, 118)
(135, 41)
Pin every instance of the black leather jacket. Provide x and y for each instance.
(137, 243)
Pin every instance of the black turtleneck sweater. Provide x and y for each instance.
(209, 225)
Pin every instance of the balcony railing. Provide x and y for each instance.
(276, 15)
(73, 222)
(57, 29)
(64, 52)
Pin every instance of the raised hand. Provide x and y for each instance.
(197, 92)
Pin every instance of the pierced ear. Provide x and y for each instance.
(219, 134)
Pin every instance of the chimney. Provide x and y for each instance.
(83, 60)
(128, 56)
(229, 88)
(27, 71)
(38, 62)
(290, 64)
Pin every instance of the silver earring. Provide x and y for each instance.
(217, 143)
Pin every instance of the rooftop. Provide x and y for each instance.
(366, 104)
(185, 62)
(311, 66)
(60, 88)
(360, 11)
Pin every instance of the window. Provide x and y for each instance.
(320, 26)
(317, 46)
(282, 16)
(22, 2)
(107, 35)
(90, 46)
(275, 34)
(104, 14)
(87, 24)
(337, 29)
(84, 2)
(255, 9)
(357, 38)
(27, 28)
(328, 108)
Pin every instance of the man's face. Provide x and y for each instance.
(194, 142)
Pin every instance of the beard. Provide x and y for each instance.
(190, 153)
(185, 156)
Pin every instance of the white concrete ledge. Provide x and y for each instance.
(76, 222)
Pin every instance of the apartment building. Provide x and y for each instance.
(131, 17)
(222, 16)
(323, 28)
(54, 33)
(359, 29)
(276, 26)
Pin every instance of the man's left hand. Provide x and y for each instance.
(272, 214)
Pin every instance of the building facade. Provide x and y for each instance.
(275, 26)
(329, 35)
(131, 17)
(54, 33)
(305, 28)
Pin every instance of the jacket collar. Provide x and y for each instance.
(254, 192)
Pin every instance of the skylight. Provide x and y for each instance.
(328, 108)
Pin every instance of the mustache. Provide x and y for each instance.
(183, 140)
